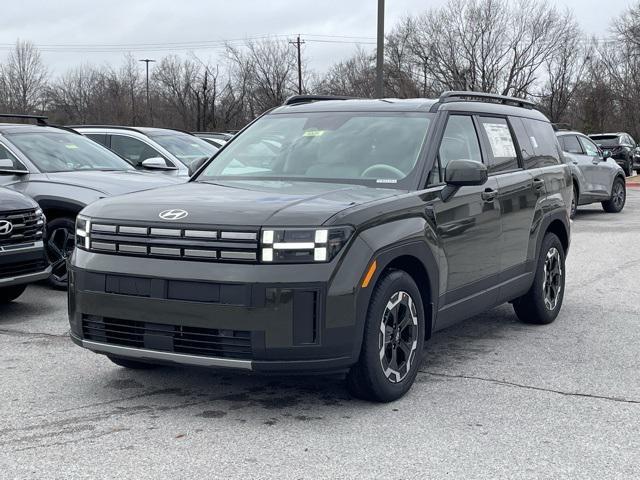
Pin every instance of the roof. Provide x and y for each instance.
(607, 134)
(560, 133)
(149, 131)
(26, 127)
(410, 105)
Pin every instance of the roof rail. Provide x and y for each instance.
(296, 99)
(133, 129)
(40, 119)
(460, 96)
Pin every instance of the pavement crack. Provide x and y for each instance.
(4, 331)
(533, 387)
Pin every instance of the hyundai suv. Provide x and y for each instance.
(64, 171)
(596, 177)
(160, 149)
(331, 236)
(622, 147)
(22, 255)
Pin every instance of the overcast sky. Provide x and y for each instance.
(102, 31)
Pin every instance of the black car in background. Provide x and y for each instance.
(22, 255)
(622, 147)
(332, 235)
(64, 172)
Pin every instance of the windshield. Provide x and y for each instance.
(186, 148)
(65, 152)
(353, 147)
(606, 140)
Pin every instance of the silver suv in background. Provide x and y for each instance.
(596, 176)
(161, 149)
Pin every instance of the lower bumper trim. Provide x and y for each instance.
(180, 358)
(27, 278)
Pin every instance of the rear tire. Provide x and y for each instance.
(9, 294)
(628, 167)
(618, 197)
(393, 341)
(131, 364)
(542, 303)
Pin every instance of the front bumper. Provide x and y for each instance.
(22, 265)
(269, 318)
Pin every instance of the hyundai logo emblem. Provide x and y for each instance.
(173, 214)
(6, 227)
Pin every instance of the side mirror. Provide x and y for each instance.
(156, 163)
(7, 166)
(461, 173)
(196, 164)
(606, 154)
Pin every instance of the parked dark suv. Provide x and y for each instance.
(622, 147)
(22, 255)
(332, 235)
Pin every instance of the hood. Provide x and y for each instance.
(114, 182)
(10, 200)
(250, 203)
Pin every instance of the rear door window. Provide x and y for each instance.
(502, 148)
(544, 142)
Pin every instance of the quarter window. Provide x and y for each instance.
(502, 149)
(544, 142)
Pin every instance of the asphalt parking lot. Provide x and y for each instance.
(494, 399)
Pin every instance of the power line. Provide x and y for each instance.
(298, 43)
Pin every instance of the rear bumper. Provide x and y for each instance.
(19, 266)
(264, 318)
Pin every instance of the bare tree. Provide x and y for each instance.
(24, 78)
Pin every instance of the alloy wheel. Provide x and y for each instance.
(60, 245)
(398, 338)
(552, 284)
(618, 195)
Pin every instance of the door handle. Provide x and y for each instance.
(538, 183)
(489, 195)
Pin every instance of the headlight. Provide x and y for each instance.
(83, 231)
(302, 245)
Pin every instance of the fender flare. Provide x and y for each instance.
(384, 256)
(560, 216)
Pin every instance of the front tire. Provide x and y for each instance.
(61, 240)
(393, 341)
(618, 197)
(574, 202)
(542, 303)
(9, 294)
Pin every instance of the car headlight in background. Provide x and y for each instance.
(83, 231)
(302, 245)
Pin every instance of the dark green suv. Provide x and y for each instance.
(331, 235)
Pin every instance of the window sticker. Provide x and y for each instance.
(313, 133)
(500, 140)
(71, 146)
(534, 144)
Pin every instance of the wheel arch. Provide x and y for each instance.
(560, 229)
(58, 208)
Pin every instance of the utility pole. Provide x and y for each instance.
(298, 43)
(147, 61)
(380, 52)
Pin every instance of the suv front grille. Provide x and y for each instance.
(218, 244)
(207, 342)
(27, 228)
